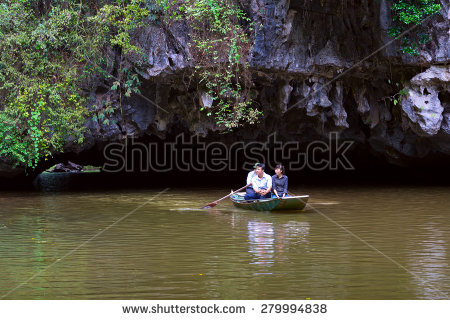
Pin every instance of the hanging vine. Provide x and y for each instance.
(219, 48)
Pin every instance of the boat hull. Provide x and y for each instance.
(296, 203)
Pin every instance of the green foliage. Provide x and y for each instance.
(220, 47)
(40, 118)
(407, 13)
(399, 95)
(115, 22)
(50, 51)
(40, 105)
(396, 98)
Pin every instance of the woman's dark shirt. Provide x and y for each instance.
(280, 184)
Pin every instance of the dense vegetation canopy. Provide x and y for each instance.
(50, 53)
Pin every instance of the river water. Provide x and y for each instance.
(352, 243)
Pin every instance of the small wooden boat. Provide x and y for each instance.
(272, 204)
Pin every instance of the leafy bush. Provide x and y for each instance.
(406, 14)
(49, 50)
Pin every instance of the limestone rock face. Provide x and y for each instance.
(422, 109)
(317, 67)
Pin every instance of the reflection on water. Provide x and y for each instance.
(169, 249)
(429, 258)
(269, 244)
(261, 242)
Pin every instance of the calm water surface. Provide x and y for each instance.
(393, 243)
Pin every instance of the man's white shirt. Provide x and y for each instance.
(250, 176)
(262, 183)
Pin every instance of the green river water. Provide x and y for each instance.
(353, 243)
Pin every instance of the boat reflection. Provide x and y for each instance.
(261, 242)
(269, 242)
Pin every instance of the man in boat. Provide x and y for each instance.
(261, 183)
(249, 190)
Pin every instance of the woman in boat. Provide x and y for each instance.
(279, 182)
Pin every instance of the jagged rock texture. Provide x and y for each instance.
(338, 49)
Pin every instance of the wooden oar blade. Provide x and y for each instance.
(212, 204)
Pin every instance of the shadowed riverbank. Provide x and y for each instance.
(382, 176)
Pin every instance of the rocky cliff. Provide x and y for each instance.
(317, 67)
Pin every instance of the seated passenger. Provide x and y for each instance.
(262, 184)
(279, 182)
(249, 190)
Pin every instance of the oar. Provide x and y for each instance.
(213, 204)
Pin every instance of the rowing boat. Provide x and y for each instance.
(272, 204)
